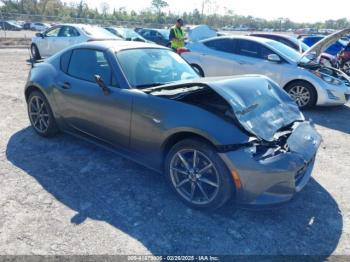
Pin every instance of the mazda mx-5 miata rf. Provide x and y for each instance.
(214, 138)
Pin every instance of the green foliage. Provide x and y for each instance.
(59, 11)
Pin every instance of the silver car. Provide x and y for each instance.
(306, 81)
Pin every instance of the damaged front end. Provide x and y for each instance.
(278, 159)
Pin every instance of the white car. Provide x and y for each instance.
(62, 36)
(306, 81)
(38, 26)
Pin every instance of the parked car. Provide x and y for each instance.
(298, 45)
(158, 36)
(38, 26)
(285, 39)
(344, 60)
(306, 81)
(214, 139)
(59, 37)
(126, 34)
(333, 50)
(8, 25)
(27, 26)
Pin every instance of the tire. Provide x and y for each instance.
(40, 115)
(215, 181)
(345, 67)
(198, 69)
(303, 93)
(35, 52)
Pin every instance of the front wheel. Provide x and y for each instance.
(35, 52)
(345, 67)
(303, 93)
(197, 175)
(40, 115)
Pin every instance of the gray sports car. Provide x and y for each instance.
(214, 138)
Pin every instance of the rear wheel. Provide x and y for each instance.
(40, 115)
(197, 175)
(35, 52)
(303, 93)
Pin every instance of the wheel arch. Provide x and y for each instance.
(304, 81)
(31, 88)
(177, 137)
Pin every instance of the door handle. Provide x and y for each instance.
(65, 85)
(242, 63)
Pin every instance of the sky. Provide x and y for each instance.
(296, 10)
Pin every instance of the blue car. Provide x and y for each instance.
(332, 50)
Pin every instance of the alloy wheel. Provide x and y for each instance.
(300, 94)
(194, 176)
(39, 114)
(346, 67)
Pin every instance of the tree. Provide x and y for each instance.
(159, 5)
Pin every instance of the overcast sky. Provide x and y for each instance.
(296, 10)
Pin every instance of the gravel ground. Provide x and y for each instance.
(65, 196)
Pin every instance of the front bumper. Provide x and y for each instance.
(331, 95)
(278, 178)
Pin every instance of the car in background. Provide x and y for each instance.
(38, 26)
(26, 26)
(305, 80)
(333, 50)
(158, 36)
(285, 39)
(126, 34)
(239, 138)
(62, 36)
(298, 45)
(344, 59)
(9, 25)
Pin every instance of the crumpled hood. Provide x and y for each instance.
(259, 104)
(326, 42)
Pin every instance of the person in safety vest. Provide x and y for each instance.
(177, 35)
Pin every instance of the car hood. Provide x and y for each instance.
(259, 105)
(200, 32)
(318, 48)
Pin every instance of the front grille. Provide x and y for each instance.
(300, 174)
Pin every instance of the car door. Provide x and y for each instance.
(83, 105)
(47, 45)
(67, 37)
(218, 58)
(253, 59)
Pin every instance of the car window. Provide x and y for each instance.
(149, 67)
(223, 45)
(68, 31)
(248, 48)
(53, 32)
(265, 52)
(65, 57)
(86, 63)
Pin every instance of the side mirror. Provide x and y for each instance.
(274, 58)
(39, 35)
(102, 84)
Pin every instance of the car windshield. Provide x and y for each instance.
(289, 52)
(152, 66)
(96, 31)
(165, 33)
(129, 33)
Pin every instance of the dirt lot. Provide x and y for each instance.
(65, 196)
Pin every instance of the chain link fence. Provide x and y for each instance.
(17, 25)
